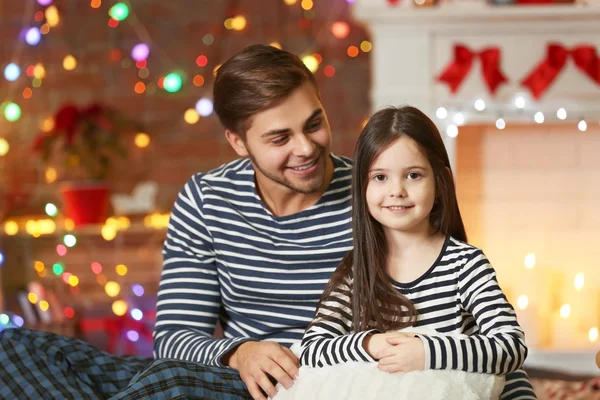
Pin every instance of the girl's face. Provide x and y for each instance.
(401, 188)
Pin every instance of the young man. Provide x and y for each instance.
(250, 244)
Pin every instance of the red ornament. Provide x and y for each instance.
(584, 57)
(457, 70)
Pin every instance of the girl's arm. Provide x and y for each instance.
(328, 340)
(499, 347)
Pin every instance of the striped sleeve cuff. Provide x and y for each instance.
(429, 347)
(224, 346)
(359, 340)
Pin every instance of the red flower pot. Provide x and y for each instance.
(86, 203)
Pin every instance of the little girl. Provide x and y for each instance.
(411, 266)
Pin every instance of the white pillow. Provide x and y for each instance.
(361, 381)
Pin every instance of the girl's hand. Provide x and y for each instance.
(375, 344)
(404, 355)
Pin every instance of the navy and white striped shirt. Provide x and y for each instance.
(228, 258)
(459, 297)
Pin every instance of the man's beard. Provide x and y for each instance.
(311, 186)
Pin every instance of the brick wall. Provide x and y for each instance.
(177, 149)
(176, 28)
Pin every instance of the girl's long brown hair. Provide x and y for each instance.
(374, 300)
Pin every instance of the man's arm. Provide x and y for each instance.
(189, 297)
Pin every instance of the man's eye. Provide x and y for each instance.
(280, 140)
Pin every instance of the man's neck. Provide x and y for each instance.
(283, 201)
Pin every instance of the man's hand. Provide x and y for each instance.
(254, 360)
(405, 354)
(375, 344)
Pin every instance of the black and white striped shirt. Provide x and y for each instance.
(460, 295)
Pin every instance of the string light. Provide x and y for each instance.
(140, 52)
(340, 29)
(119, 12)
(523, 302)
(311, 62)
(172, 82)
(119, 307)
(366, 46)
(12, 72)
(198, 80)
(112, 288)
(44, 2)
(4, 147)
(208, 39)
(52, 17)
(50, 174)
(11, 228)
(539, 117)
(33, 298)
(142, 140)
(306, 4)
(138, 290)
(69, 240)
(1, 258)
(58, 269)
(579, 281)
(69, 312)
(452, 131)
(201, 60)
(44, 306)
(204, 107)
(520, 102)
(101, 279)
(69, 63)
(95, 3)
(329, 71)
(441, 113)
(561, 114)
(133, 336)
(479, 105)
(191, 116)
(12, 112)
(352, 51)
(121, 270)
(96, 268)
(33, 36)
(565, 311)
(582, 126)
(530, 261)
(51, 210)
(593, 334)
(459, 118)
(238, 23)
(61, 250)
(137, 314)
(500, 123)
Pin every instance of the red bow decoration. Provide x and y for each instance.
(457, 70)
(543, 75)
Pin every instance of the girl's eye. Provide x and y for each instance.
(379, 177)
(414, 175)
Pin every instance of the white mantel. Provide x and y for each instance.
(411, 46)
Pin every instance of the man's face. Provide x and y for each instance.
(289, 144)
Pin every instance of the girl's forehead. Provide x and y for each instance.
(403, 151)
